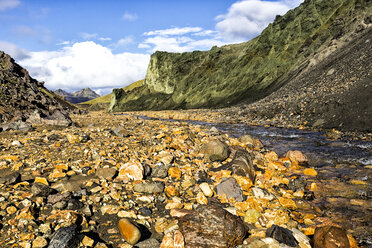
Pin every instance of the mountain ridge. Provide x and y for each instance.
(245, 73)
(78, 96)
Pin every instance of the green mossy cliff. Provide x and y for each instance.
(243, 72)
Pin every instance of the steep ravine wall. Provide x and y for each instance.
(244, 72)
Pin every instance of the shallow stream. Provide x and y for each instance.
(344, 171)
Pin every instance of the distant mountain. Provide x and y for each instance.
(24, 100)
(79, 96)
(86, 92)
(63, 93)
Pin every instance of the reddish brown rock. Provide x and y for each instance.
(212, 226)
(330, 237)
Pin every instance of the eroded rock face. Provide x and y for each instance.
(212, 226)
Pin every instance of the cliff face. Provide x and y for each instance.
(22, 98)
(249, 71)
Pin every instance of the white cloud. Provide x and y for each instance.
(174, 31)
(64, 43)
(14, 51)
(86, 64)
(104, 38)
(124, 42)
(129, 17)
(8, 4)
(246, 19)
(88, 36)
(178, 44)
(180, 39)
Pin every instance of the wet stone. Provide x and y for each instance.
(330, 237)
(212, 226)
(65, 237)
(281, 234)
(230, 187)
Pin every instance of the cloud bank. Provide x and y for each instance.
(178, 39)
(83, 64)
(246, 19)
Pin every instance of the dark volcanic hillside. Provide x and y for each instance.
(22, 98)
(249, 71)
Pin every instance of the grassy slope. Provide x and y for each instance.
(107, 98)
(242, 72)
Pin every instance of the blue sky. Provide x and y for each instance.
(72, 44)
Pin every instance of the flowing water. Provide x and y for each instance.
(344, 171)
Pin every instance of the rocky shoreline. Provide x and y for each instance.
(123, 181)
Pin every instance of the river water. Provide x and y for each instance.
(344, 171)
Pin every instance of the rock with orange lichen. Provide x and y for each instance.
(175, 173)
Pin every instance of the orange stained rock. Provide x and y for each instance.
(310, 172)
(313, 187)
(171, 191)
(201, 199)
(61, 167)
(178, 240)
(272, 156)
(168, 241)
(129, 231)
(287, 203)
(56, 175)
(11, 158)
(42, 180)
(244, 182)
(250, 203)
(309, 230)
(175, 172)
(353, 243)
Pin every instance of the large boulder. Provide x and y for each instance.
(212, 226)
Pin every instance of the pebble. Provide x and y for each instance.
(149, 187)
(39, 242)
(129, 231)
(230, 187)
(206, 189)
(65, 237)
(216, 150)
